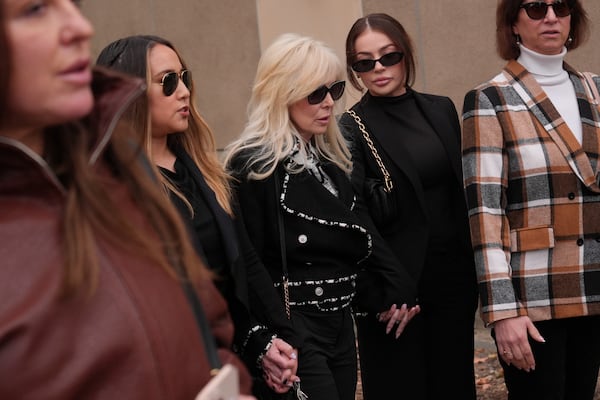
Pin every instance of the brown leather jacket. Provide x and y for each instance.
(135, 337)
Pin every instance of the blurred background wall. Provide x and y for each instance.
(221, 40)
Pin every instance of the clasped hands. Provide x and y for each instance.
(280, 364)
(398, 316)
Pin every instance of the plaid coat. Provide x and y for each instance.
(533, 197)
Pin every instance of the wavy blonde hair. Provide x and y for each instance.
(289, 70)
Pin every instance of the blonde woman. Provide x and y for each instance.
(292, 167)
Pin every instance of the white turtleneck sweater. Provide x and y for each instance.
(549, 73)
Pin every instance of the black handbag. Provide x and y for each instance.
(379, 192)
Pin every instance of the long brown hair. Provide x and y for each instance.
(130, 55)
(91, 213)
(507, 14)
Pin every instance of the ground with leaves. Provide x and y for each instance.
(489, 376)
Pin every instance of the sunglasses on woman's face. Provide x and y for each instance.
(387, 60)
(539, 9)
(336, 90)
(170, 80)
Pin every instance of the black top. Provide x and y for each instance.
(203, 221)
(412, 131)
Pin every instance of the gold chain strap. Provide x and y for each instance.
(286, 296)
(386, 175)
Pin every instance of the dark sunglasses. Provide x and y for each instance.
(170, 80)
(539, 9)
(336, 90)
(386, 60)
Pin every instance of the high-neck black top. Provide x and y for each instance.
(411, 130)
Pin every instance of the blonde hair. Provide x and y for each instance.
(289, 70)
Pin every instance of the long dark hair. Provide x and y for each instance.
(394, 30)
(507, 13)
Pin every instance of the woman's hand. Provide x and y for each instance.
(280, 364)
(400, 316)
(512, 340)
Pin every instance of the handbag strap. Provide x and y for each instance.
(207, 336)
(386, 175)
(282, 249)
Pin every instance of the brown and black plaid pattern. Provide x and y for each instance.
(533, 197)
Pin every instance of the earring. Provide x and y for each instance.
(518, 37)
(569, 41)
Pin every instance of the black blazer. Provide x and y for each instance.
(256, 302)
(326, 237)
(408, 235)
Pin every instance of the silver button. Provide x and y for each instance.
(302, 239)
(319, 291)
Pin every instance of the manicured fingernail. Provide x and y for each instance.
(293, 356)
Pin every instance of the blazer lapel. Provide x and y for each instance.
(306, 196)
(538, 103)
(442, 125)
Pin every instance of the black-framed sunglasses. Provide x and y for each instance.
(170, 80)
(539, 9)
(336, 90)
(387, 60)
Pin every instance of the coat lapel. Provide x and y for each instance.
(447, 130)
(538, 103)
(305, 195)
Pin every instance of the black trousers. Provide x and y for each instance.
(327, 361)
(432, 359)
(566, 366)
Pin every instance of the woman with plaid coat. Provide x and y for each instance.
(531, 150)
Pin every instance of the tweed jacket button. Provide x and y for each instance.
(579, 242)
(571, 196)
(319, 291)
(302, 239)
